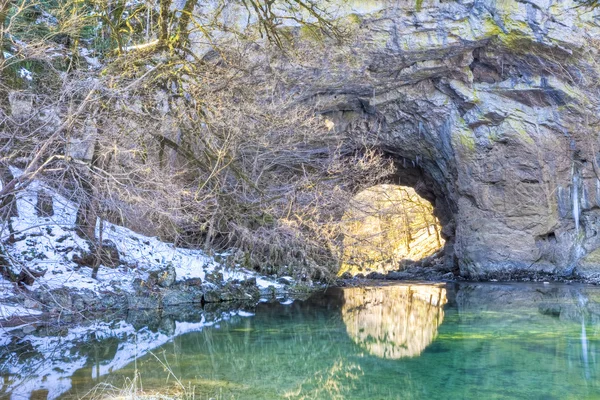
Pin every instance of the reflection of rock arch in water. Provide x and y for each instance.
(394, 321)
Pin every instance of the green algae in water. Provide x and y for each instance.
(463, 341)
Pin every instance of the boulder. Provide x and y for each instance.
(178, 295)
(164, 277)
(56, 300)
(211, 294)
(214, 277)
(144, 301)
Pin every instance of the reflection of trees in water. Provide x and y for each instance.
(394, 321)
(50, 361)
(301, 351)
(333, 383)
(41, 364)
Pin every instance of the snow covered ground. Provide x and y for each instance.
(32, 361)
(50, 243)
(8, 311)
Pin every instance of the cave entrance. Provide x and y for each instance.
(386, 224)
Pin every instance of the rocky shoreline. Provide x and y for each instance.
(421, 274)
(152, 296)
(155, 296)
(49, 269)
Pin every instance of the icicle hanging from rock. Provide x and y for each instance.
(575, 197)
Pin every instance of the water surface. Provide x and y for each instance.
(420, 341)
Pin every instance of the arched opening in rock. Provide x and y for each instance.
(386, 224)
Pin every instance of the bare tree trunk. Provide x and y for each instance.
(437, 236)
(87, 215)
(161, 154)
(407, 231)
(8, 205)
(210, 234)
(163, 22)
(99, 250)
(4, 7)
(173, 152)
(85, 222)
(4, 101)
(183, 33)
(8, 209)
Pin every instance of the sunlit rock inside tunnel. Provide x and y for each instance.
(386, 224)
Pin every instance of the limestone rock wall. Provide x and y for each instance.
(494, 107)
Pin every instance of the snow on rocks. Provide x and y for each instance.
(49, 247)
(25, 74)
(8, 312)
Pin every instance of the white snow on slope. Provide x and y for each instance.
(7, 312)
(49, 243)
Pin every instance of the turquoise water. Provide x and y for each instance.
(458, 341)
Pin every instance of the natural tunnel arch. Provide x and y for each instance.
(385, 224)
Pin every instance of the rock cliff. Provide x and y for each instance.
(490, 109)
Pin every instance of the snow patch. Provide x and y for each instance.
(25, 74)
(50, 243)
(8, 311)
(243, 313)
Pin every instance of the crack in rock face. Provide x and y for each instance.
(491, 111)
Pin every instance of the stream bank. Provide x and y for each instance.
(47, 267)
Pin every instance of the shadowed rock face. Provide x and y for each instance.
(489, 109)
(394, 321)
(573, 303)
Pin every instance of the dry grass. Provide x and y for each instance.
(133, 388)
(208, 152)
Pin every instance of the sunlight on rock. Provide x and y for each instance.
(395, 321)
(385, 224)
